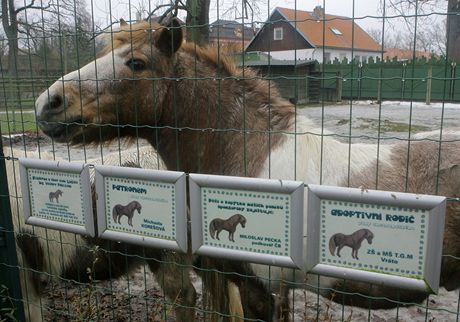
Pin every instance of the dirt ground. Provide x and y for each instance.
(138, 296)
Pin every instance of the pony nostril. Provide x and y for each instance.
(54, 102)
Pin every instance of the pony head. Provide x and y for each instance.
(139, 208)
(128, 80)
(369, 236)
(242, 221)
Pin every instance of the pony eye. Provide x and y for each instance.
(135, 65)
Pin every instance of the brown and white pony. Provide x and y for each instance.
(204, 114)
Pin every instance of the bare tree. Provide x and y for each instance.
(198, 20)
(42, 33)
(246, 10)
(434, 25)
(11, 23)
(453, 29)
(433, 39)
(197, 17)
(35, 20)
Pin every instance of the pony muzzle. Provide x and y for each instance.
(52, 117)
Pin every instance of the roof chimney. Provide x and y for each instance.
(318, 12)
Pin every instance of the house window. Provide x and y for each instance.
(327, 57)
(336, 31)
(278, 33)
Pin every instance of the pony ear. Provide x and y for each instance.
(170, 36)
(123, 23)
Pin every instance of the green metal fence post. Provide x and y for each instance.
(403, 80)
(452, 81)
(360, 79)
(339, 85)
(9, 271)
(429, 78)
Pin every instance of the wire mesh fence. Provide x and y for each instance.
(241, 89)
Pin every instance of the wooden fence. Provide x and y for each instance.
(420, 80)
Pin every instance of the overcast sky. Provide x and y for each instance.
(120, 8)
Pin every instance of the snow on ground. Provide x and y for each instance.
(441, 307)
(139, 298)
(414, 104)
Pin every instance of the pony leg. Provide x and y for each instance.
(282, 309)
(339, 249)
(217, 235)
(30, 258)
(176, 284)
(258, 302)
(356, 251)
(235, 306)
(32, 300)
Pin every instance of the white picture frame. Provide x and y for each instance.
(57, 195)
(407, 236)
(159, 220)
(215, 199)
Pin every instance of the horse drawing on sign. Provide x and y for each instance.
(128, 211)
(185, 92)
(55, 195)
(339, 240)
(217, 225)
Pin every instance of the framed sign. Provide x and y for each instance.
(256, 220)
(57, 195)
(381, 237)
(145, 207)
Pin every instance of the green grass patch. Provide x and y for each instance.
(17, 122)
(389, 126)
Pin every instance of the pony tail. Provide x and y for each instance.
(114, 214)
(332, 245)
(235, 305)
(215, 282)
(212, 229)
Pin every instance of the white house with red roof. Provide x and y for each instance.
(293, 34)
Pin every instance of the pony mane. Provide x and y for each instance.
(135, 34)
(143, 32)
(219, 57)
